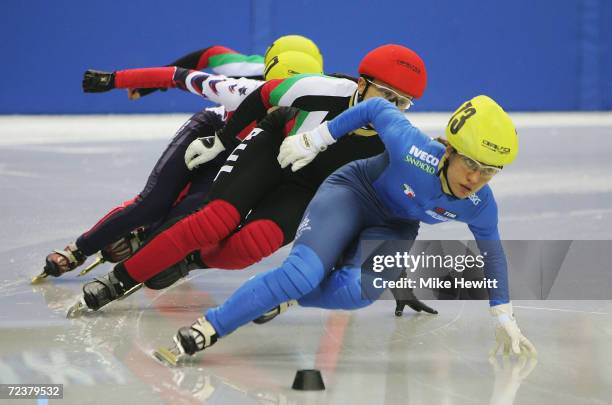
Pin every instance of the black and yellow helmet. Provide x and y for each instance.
(483, 131)
(291, 63)
(293, 43)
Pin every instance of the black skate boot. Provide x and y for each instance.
(124, 248)
(61, 261)
(274, 312)
(118, 251)
(187, 341)
(175, 272)
(116, 285)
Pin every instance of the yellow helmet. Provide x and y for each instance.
(291, 63)
(293, 43)
(483, 131)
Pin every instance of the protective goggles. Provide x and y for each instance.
(474, 165)
(402, 102)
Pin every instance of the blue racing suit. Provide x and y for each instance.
(380, 198)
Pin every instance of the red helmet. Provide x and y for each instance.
(397, 66)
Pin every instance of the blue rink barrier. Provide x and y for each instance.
(528, 55)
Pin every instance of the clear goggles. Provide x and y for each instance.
(402, 102)
(474, 165)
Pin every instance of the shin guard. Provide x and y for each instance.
(203, 228)
(252, 243)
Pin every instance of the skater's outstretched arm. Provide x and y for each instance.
(222, 90)
(219, 59)
(393, 127)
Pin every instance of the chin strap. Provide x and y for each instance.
(367, 130)
(442, 174)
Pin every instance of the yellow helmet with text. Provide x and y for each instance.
(291, 63)
(480, 129)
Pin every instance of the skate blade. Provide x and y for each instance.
(130, 291)
(167, 356)
(78, 309)
(99, 260)
(37, 279)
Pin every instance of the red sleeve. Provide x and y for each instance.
(212, 51)
(160, 77)
(266, 90)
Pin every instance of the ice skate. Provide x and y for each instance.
(77, 309)
(274, 312)
(99, 260)
(38, 278)
(187, 341)
(174, 273)
(117, 251)
(100, 292)
(60, 262)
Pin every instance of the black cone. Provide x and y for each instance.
(308, 380)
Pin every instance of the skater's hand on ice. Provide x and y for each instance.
(415, 304)
(95, 81)
(405, 297)
(203, 150)
(508, 334)
(300, 149)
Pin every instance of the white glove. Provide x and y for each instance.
(203, 150)
(508, 334)
(300, 149)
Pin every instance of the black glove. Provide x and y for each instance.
(405, 296)
(415, 304)
(95, 81)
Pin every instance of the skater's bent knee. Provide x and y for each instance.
(300, 273)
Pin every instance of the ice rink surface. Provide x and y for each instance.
(59, 175)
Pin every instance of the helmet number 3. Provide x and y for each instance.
(459, 118)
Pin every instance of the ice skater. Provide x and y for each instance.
(120, 232)
(255, 207)
(225, 61)
(366, 200)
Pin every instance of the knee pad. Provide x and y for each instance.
(342, 289)
(300, 273)
(206, 227)
(259, 239)
(252, 243)
(214, 222)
